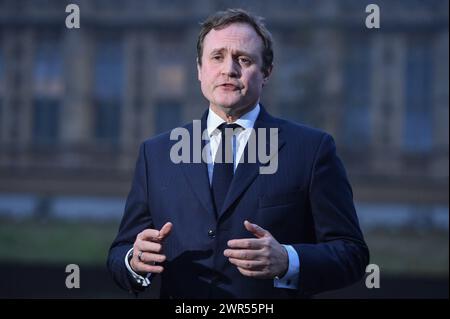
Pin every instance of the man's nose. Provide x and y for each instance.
(230, 68)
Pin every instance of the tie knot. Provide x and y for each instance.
(222, 127)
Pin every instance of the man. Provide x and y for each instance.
(221, 229)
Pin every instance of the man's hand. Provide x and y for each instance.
(147, 250)
(262, 257)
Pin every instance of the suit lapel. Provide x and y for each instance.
(247, 172)
(197, 173)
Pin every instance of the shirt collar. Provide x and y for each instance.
(246, 121)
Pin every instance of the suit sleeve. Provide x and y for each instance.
(136, 218)
(340, 255)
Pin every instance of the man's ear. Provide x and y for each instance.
(199, 68)
(267, 74)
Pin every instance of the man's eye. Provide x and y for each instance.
(217, 57)
(245, 61)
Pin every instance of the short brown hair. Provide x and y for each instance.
(222, 19)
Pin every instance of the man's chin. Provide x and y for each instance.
(228, 108)
(235, 109)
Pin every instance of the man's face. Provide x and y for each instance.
(230, 73)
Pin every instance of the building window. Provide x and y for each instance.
(355, 123)
(170, 80)
(48, 89)
(108, 91)
(301, 112)
(169, 77)
(46, 120)
(417, 129)
(297, 80)
(168, 116)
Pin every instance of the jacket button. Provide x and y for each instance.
(211, 233)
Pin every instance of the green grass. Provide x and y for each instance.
(407, 252)
(56, 241)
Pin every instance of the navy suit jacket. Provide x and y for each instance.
(307, 203)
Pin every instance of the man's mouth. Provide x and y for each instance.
(229, 87)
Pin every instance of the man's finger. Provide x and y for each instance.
(148, 246)
(150, 258)
(246, 254)
(247, 264)
(165, 230)
(148, 234)
(256, 230)
(246, 243)
(144, 268)
(251, 273)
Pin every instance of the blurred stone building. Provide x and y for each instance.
(76, 103)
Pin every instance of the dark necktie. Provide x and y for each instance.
(223, 165)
